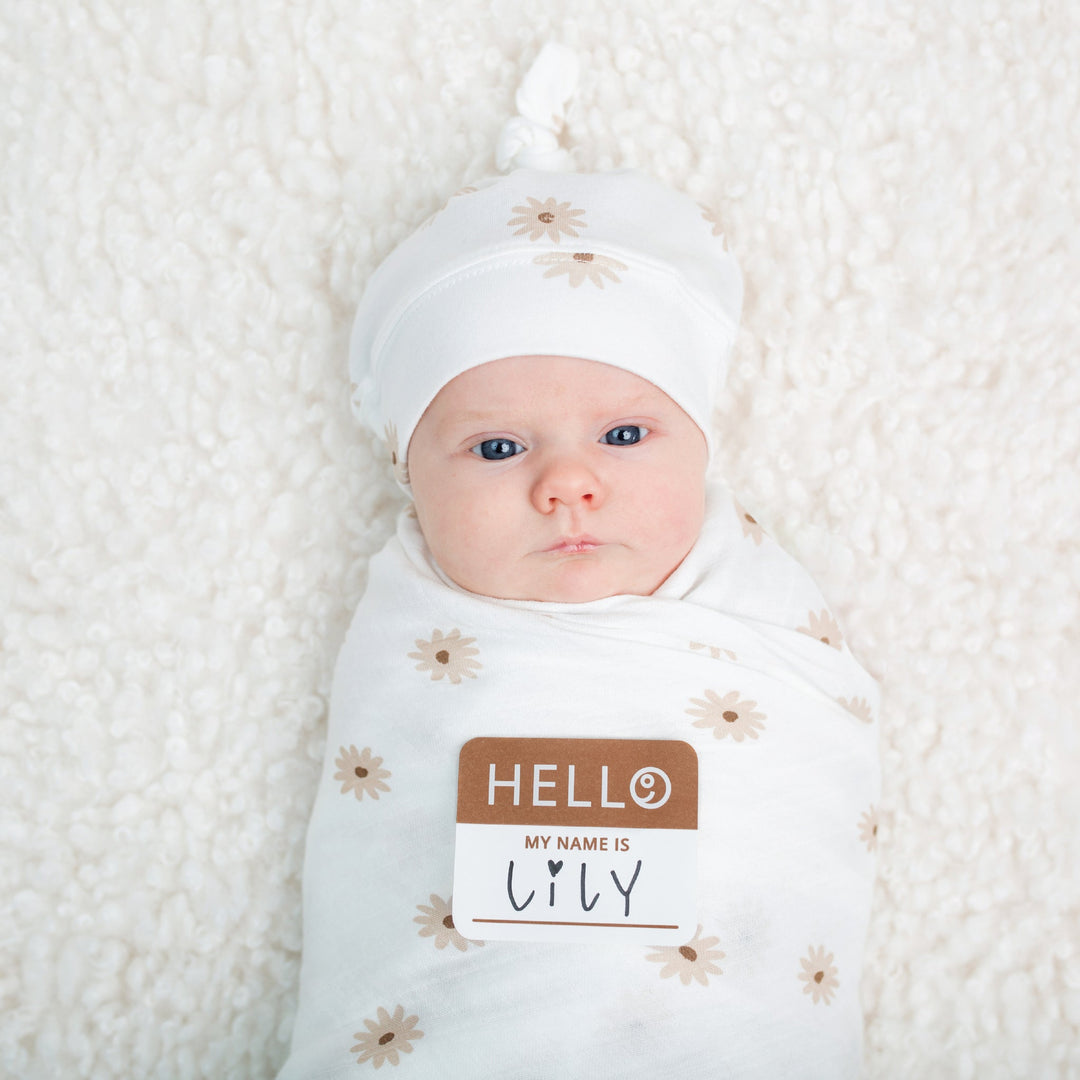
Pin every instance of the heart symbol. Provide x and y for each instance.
(554, 867)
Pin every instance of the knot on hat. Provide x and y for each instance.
(530, 140)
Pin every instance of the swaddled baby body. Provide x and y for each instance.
(570, 603)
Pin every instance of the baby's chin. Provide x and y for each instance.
(576, 581)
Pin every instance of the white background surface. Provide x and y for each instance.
(192, 198)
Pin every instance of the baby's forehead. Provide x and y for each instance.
(532, 380)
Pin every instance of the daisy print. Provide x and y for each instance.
(819, 974)
(858, 707)
(581, 266)
(397, 459)
(437, 920)
(694, 961)
(709, 215)
(547, 218)
(360, 773)
(387, 1038)
(729, 715)
(750, 527)
(823, 627)
(450, 656)
(714, 651)
(868, 828)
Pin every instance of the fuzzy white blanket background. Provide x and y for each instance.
(192, 198)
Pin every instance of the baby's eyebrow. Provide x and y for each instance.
(506, 414)
(464, 421)
(505, 411)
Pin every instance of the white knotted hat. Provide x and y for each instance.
(613, 267)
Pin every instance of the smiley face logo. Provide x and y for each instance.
(645, 787)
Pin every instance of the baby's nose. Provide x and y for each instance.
(566, 480)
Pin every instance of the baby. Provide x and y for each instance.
(599, 791)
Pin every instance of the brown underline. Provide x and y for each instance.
(549, 922)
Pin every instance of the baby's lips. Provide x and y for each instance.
(573, 545)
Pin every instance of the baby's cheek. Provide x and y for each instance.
(681, 513)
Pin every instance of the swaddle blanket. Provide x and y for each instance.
(738, 656)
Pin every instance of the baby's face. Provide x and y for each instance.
(557, 479)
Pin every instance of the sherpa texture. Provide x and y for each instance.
(192, 200)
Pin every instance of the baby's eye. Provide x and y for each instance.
(625, 435)
(497, 449)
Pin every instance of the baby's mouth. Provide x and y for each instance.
(574, 545)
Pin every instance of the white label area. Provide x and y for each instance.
(575, 883)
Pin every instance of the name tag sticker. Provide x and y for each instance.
(576, 840)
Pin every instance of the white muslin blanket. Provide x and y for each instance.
(738, 656)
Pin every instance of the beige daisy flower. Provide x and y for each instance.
(858, 707)
(823, 627)
(694, 960)
(386, 1038)
(401, 467)
(450, 655)
(360, 773)
(727, 715)
(709, 215)
(714, 651)
(750, 527)
(547, 218)
(581, 266)
(819, 974)
(868, 828)
(438, 922)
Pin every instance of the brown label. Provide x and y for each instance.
(624, 783)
